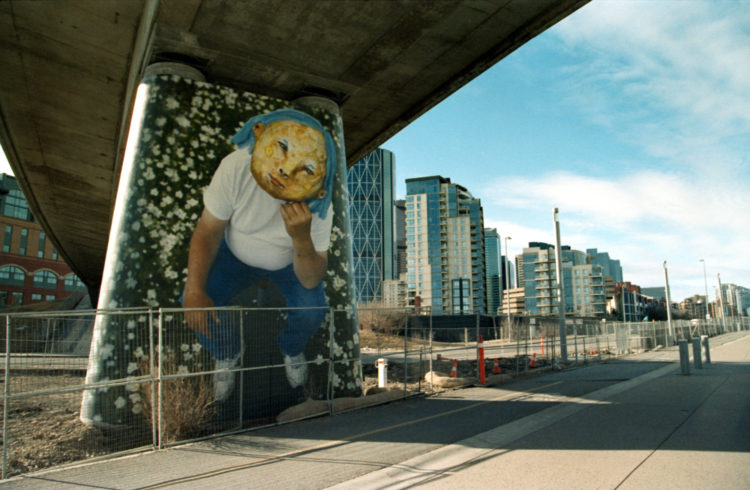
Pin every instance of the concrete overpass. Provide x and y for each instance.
(70, 69)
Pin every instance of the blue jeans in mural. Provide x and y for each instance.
(229, 276)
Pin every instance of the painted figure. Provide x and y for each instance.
(266, 216)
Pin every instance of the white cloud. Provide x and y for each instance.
(641, 219)
(670, 76)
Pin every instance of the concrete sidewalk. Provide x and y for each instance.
(630, 423)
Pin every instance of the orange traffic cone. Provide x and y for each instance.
(495, 367)
(533, 361)
(454, 369)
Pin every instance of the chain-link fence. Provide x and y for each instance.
(167, 385)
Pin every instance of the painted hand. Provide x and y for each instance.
(297, 219)
(197, 320)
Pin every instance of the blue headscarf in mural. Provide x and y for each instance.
(245, 137)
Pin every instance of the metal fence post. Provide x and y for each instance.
(242, 372)
(154, 413)
(330, 359)
(476, 336)
(432, 372)
(7, 394)
(406, 354)
(160, 349)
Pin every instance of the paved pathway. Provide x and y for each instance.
(630, 423)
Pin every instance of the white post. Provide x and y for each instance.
(382, 373)
(721, 304)
(560, 289)
(670, 328)
(507, 281)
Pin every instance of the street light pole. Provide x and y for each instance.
(721, 303)
(669, 301)
(507, 281)
(705, 284)
(560, 289)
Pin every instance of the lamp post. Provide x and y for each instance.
(669, 301)
(560, 288)
(507, 280)
(705, 284)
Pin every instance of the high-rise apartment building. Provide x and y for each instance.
(401, 236)
(611, 269)
(445, 246)
(493, 273)
(371, 183)
(31, 270)
(583, 282)
(587, 290)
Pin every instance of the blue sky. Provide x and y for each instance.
(633, 118)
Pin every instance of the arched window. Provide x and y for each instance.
(10, 275)
(45, 279)
(73, 283)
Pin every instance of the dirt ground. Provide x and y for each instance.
(44, 431)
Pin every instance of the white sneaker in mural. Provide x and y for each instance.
(296, 369)
(224, 381)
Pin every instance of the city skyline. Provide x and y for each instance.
(639, 136)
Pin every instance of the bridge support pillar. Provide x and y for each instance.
(179, 133)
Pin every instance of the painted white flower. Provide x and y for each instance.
(151, 294)
(137, 408)
(182, 121)
(184, 347)
(131, 336)
(120, 402)
(132, 367)
(135, 397)
(197, 347)
(160, 121)
(182, 369)
(171, 103)
(319, 360)
(97, 418)
(106, 351)
(131, 387)
(337, 350)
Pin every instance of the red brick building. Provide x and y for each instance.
(31, 270)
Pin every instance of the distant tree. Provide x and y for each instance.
(381, 318)
(655, 312)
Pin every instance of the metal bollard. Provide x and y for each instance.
(684, 356)
(697, 357)
(704, 341)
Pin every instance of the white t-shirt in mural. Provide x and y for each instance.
(255, 234)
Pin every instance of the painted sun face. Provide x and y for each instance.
(289, 160)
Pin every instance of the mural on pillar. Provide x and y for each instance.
(233, 198)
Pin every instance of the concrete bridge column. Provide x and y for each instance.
(179, 133)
